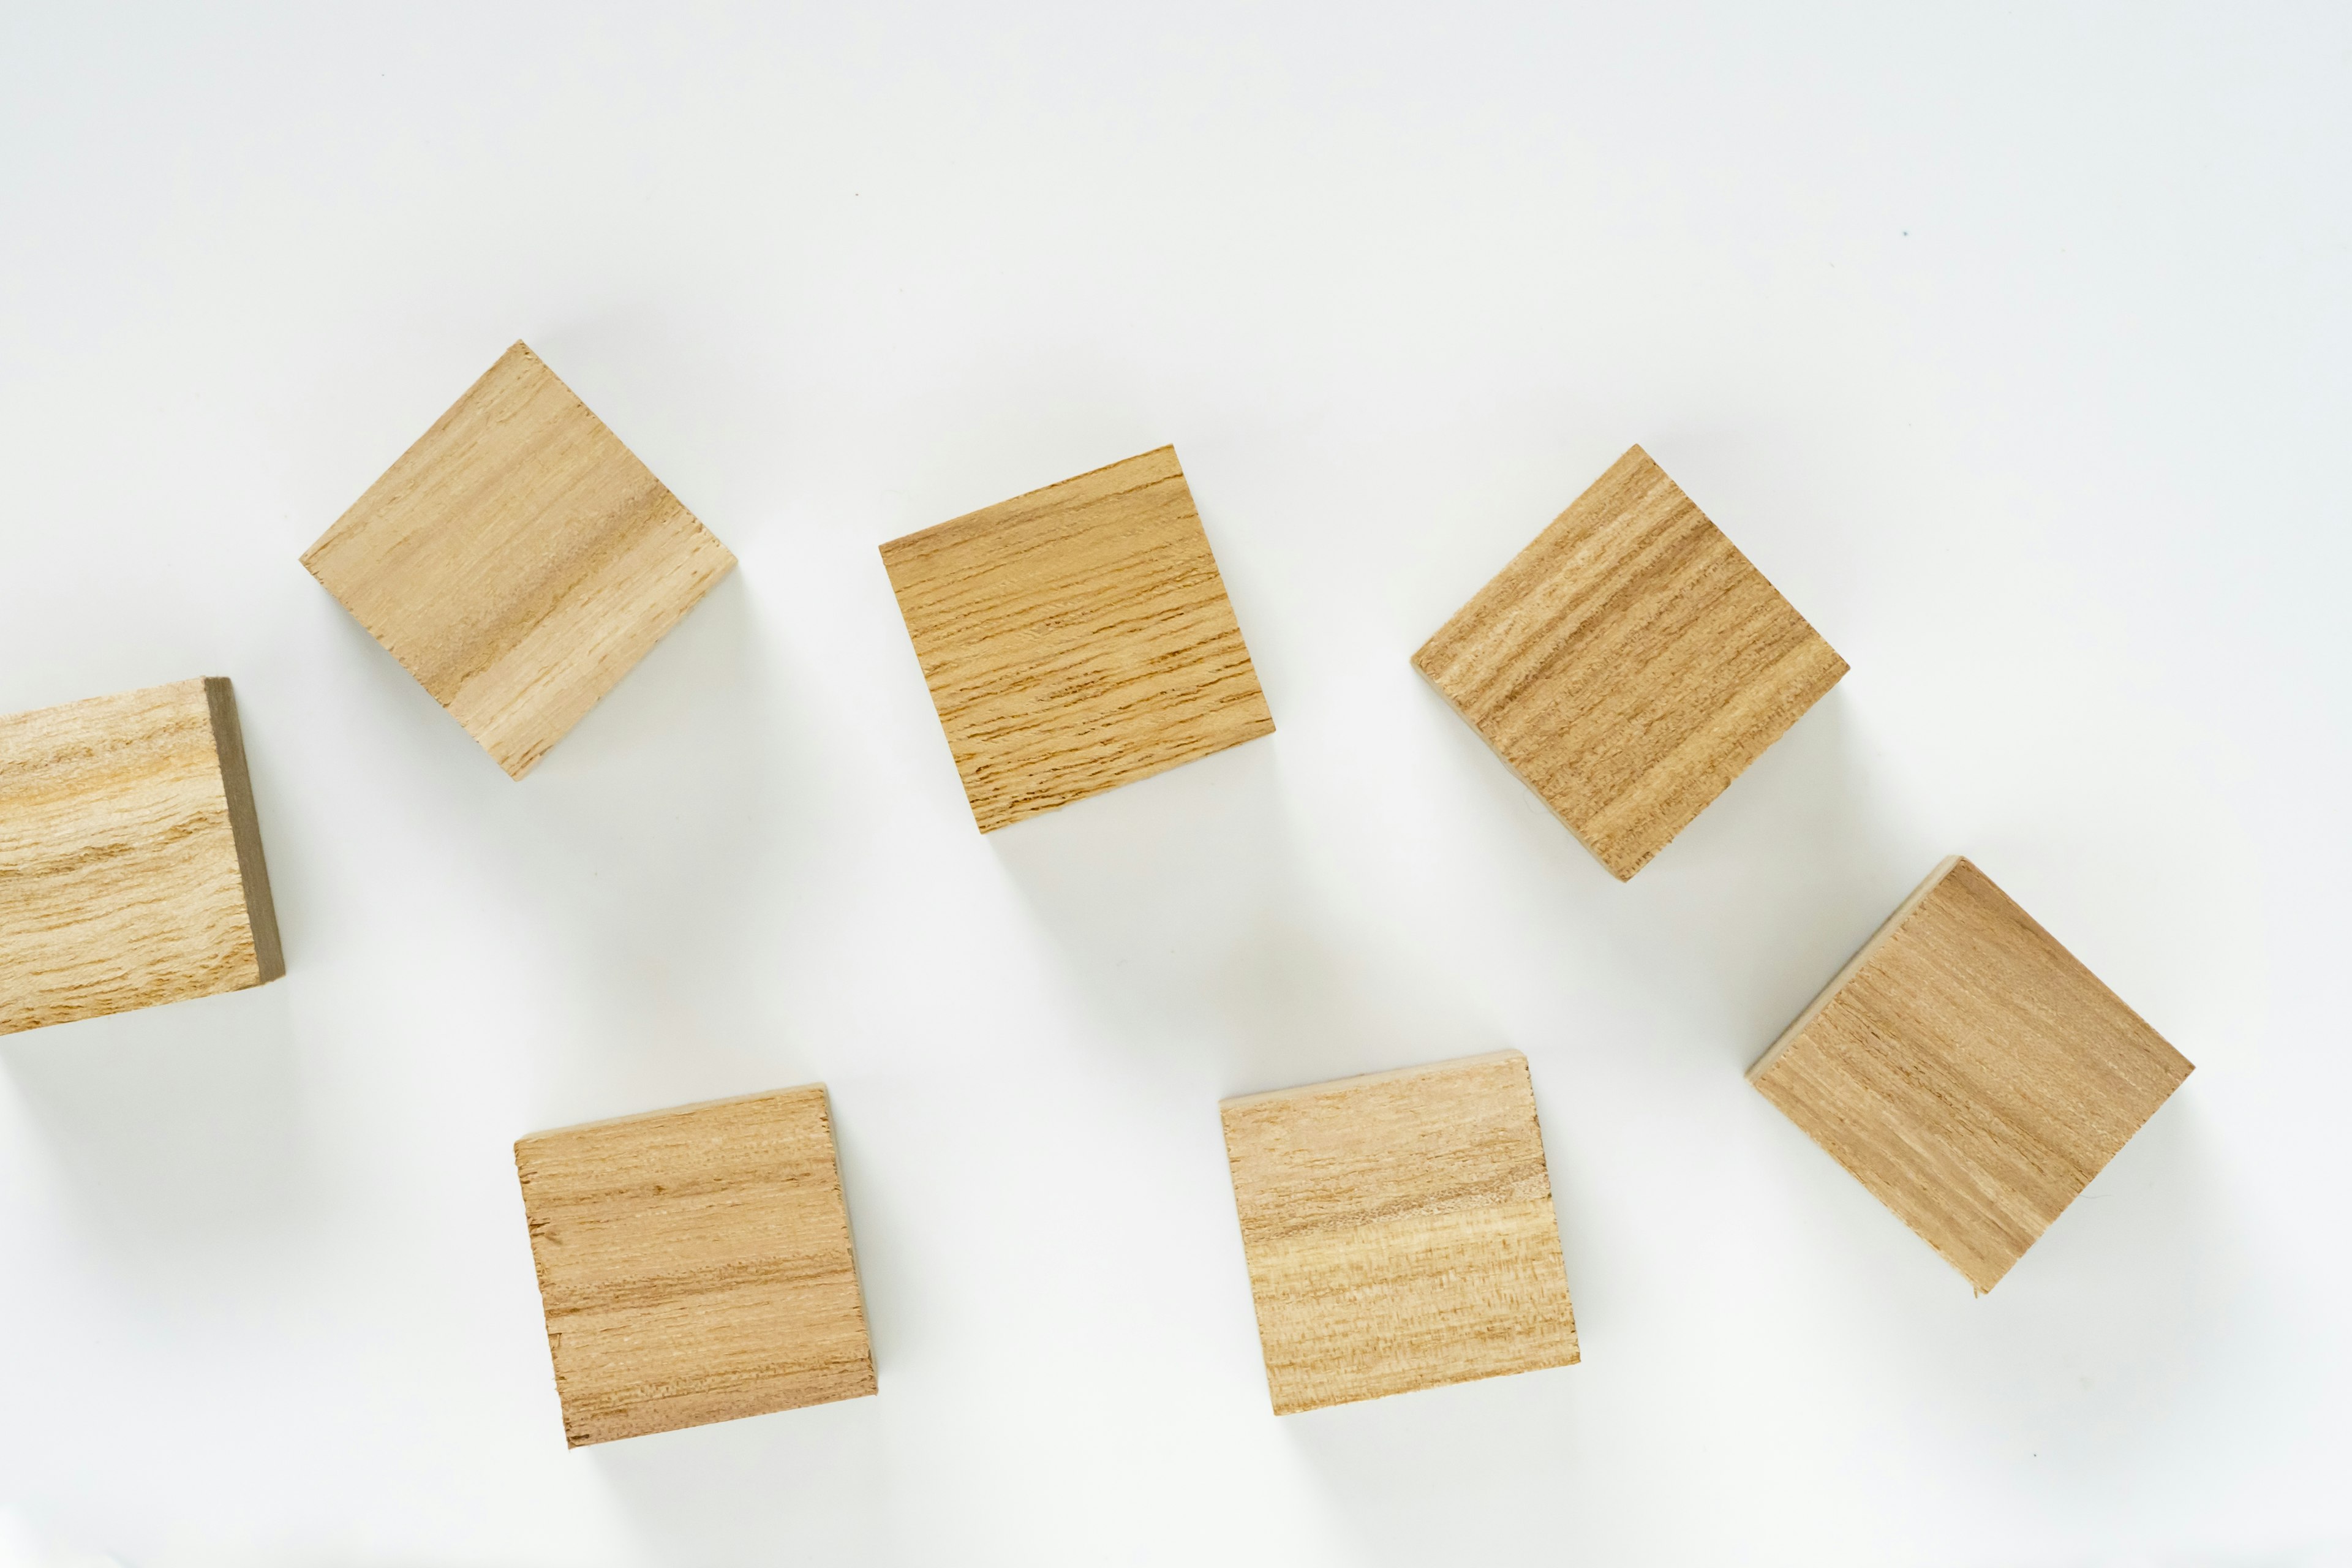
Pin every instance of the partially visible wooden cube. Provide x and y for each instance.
(1400, 1233)
(695, 1264)
(1077, 638)
(1969, 1072)
(1629, 664)
(130, 869)
(518, 560)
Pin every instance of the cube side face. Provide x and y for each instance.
(518, 560)
(1077, 638)
(696, 1266)
(1972, 1074)
(1399, 1232)
(121, 884)
(1400, 1305)
(1629, 664)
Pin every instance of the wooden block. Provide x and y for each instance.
(1399, 1231)
(1629, 664)
(695, 1264)
(1077, 638)
(518, 560)
(1967, 1071)
(130, 869)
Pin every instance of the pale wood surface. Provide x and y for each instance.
(1969, 1072)
(518, 560)
(1629, 664)
(1077, 638)
(1400, 1233)
(695, 1264)
(130, 868)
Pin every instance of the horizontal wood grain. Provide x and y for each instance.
(1969, 1072)
(1629, 664)
(518, 560)
(131, 866)
(1399, 1231)
(695, 1264)
(1077, 638)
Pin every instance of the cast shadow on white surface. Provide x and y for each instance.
(1739, 920)
(179, 1129)
(890, 1265)
(1183, 913)
(794, 1486)
(2090, 1347)
(1482, 1450)
(1773, 887)
(636, 865)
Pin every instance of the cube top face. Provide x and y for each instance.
(1969, 1072)
(518, 560)
(695, 1264)
(1077, 638)
(1400, 1231)
(130, 868)
(1629, 664)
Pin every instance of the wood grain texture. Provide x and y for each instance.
(1077, 638)
(518, 560)
(1629, 664)
(130, 868)
(695, 1264)
(1398, 1230)
(1969, 1072)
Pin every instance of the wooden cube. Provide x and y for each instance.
(1077, 638)
(518, 560)
(1629, 664)
(1398, 1230)
(1969, 1072)
(130, 869)
(695, 1264)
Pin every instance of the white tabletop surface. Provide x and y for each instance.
(2013, 347)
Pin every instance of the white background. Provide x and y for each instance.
(2013, 347)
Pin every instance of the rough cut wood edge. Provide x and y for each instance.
(663, 1111)
(244, 826)
(1869, 950)
(909, 543)
(1366, 1079)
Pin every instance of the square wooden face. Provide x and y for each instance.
(1399, 1232)
(1077, 638)
(695, 1264)
(130, 869)
(1969, 1072)
(1629, 664)
(518, 560)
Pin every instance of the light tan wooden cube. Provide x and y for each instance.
(695, 1264)
(1077, 638)
(130, 868)
(1399, 1232)
(1629, 664)
(1969, 1072)
(518, 560)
